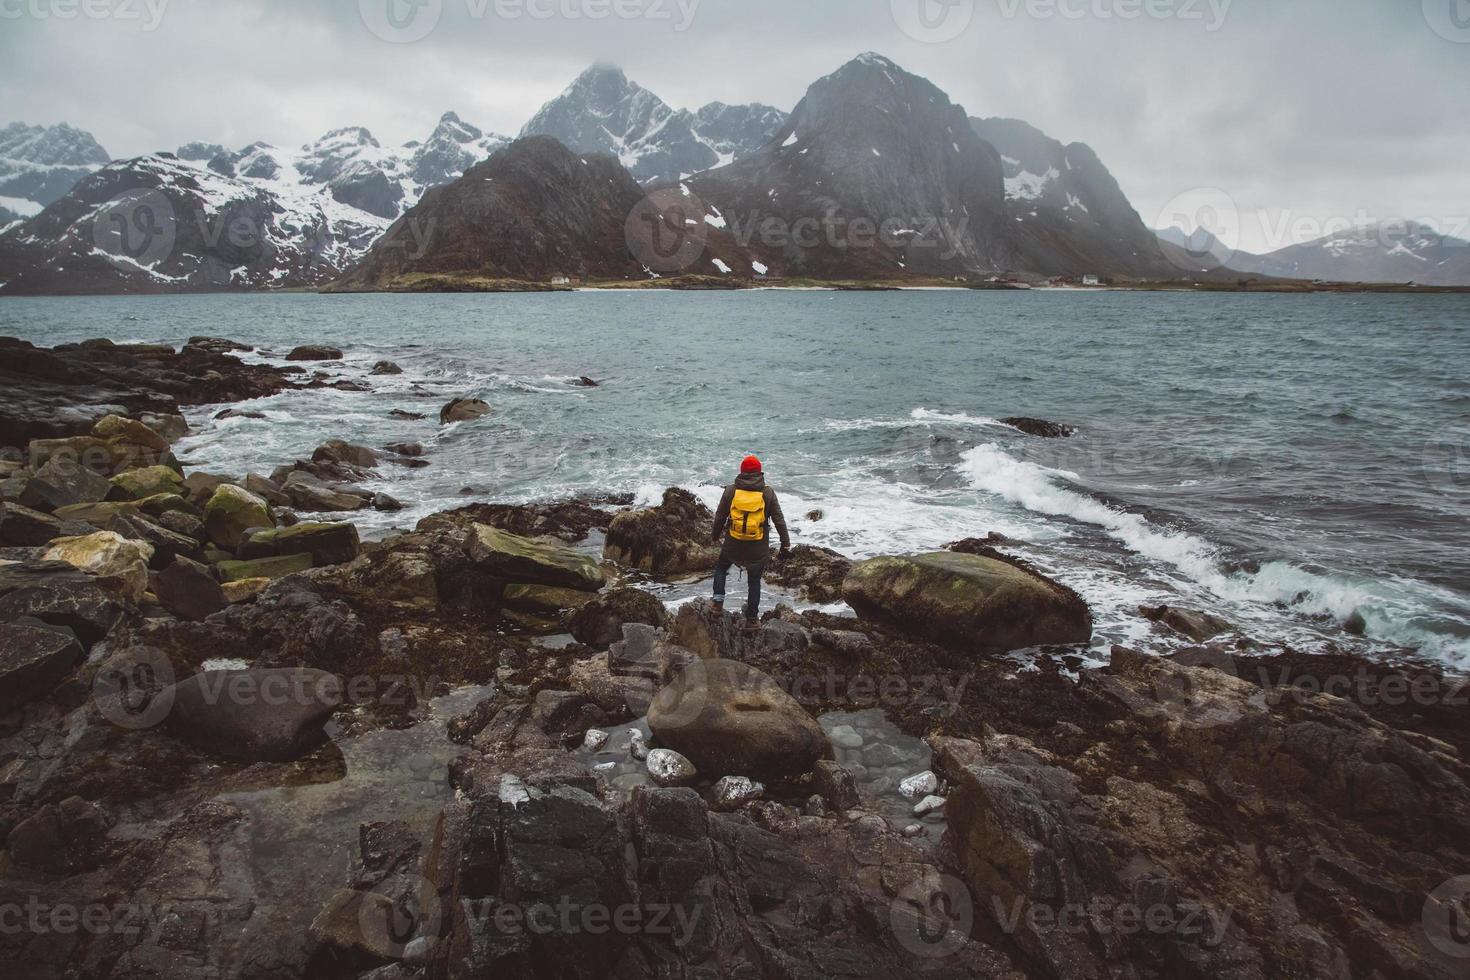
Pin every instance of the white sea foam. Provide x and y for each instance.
(1392, 609)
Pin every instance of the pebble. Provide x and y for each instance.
(845, 737)
(928, 804)
(913, 830)
(923, 784)
(733, 791)
(637, 745)
(669, 768)
(595, 739)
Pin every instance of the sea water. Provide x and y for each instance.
(1285, 461)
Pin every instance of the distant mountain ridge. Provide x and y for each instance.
(39, 164)
(602, 111)
(255, 218)
(876, 175)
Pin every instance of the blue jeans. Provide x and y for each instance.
(753, 573)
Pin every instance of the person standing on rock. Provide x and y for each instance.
(742, 524)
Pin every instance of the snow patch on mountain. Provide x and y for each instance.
(602, 111)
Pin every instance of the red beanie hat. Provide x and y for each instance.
(750, 465)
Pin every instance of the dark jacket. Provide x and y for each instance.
(746, 553)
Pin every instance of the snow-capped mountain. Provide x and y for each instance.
(1385, 252)
(873, 147)
(259, 217)
(39, 164)
(604, 112)
(1068, 212)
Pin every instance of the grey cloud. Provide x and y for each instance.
(1312, 106)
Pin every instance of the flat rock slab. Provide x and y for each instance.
(531, 561)
(81, 606)
(261, 715)
(968, 601)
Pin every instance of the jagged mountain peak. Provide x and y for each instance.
(603, 111)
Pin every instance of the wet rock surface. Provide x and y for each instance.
(665, 541)
(436, 793)
(973, 600)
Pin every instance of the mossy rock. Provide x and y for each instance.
(968, 601)
(231, 512)
(129, 432)
(532, 561)
(100, 513)
(164, 503)
(149, 481)
(544, 600)
(328, 544)
(270, 568)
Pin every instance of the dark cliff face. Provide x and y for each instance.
(1068, 216)
(887, 169)
(532, 211)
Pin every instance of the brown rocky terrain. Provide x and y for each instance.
(240, 742)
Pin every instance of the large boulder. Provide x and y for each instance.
(118, 564)
(463, 410)
(816, 573)
(130, 432)
(664, 541)
(731, 719)
(532, 561)
(62, 482)
(314, 352)
(341, 451)
(187, 590)
(34, 658)
(968, 601)
(148, 481)
(267, 568)
(23, 527)
(167, 544)
(68, 599)
(309, 493)
(599, 623)
(328, 544)
(544, 600)
(267, 714)
(231, 512)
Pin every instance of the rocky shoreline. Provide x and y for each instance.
(236, 740)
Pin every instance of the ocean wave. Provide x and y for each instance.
(918, 417)
(1393, 611)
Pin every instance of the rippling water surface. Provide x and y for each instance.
(1284, 460)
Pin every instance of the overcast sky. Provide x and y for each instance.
(1302, 111)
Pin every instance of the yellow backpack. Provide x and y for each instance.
(748, 515)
